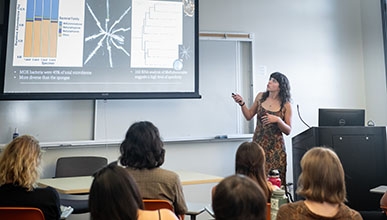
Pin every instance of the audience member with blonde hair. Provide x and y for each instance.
(114, 195)
(250, 161)
(238, 197)
(322, 184)
(19, 171)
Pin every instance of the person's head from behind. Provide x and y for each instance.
(322, 176)
(238, 197)
(114, 195)
(250, 161)
(142, 147)
(19, 162)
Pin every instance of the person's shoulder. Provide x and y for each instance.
(167, 214)
(383, 200)
(287, 210)
(351, 213)
(258, 97)
(288, 105)
(290, 210)
(293, 205)
(160, 174)
(167, 173)
(47, 191)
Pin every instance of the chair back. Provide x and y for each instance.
(79, 166)
(155, 204)
(21, 213)
(268, 211)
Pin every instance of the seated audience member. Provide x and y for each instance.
(383, 205)
(19, 170)
(322, 184)
(250, 161)
(379, 213)
(238, 197)
(383, 202)
(142, 153)
(114, 195)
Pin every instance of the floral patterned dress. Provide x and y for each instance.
(270, 138)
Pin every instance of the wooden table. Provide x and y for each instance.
(82, 184)
(68, 185)
(193, 178)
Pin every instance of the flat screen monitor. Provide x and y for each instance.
(341, 117)
(99, 49)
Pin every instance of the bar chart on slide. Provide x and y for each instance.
(49, 33)
(41, 28)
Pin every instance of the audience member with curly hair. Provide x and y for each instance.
(19, 171)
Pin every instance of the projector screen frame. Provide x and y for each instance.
(92, 95)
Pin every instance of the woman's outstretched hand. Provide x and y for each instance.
(237, 98)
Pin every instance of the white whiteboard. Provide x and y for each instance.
(54, 120)
(216, 113)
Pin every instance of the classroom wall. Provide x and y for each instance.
(332, 52)
(374, 66)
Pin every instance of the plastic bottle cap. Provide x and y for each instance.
(274, 173)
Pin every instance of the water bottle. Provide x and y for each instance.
(278, 198)
(274, 178)
(15, 133)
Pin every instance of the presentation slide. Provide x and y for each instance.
(101, 46)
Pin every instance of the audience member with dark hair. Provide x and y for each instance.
(322, 184)
(238, 197)
(19, 171)
(114, 195)
(250, 161)
(142, 153)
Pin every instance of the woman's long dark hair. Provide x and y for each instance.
(114, 195)
(284, 88)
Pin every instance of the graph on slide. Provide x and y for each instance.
(49, 33)
(157, 34)
(41, 28)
